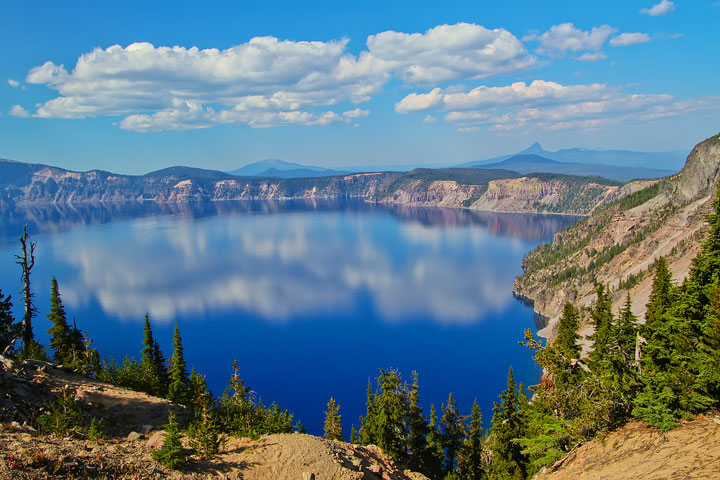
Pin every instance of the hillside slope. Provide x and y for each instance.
(618, 244)
(133, 429)
(638, 452)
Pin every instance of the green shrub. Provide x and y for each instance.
(172, 452)
(64, 413)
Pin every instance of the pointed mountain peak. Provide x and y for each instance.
(534, 148)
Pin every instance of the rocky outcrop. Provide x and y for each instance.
(494, 190)
(618, 245)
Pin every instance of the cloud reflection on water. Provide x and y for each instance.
(450, 266)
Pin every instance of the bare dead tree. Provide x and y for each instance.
(27, 262)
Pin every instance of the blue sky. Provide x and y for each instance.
(136, 86)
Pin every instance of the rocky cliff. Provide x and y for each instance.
(619, 243)
(495, 190)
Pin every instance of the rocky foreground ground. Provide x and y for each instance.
(638, 452)
(134, 423)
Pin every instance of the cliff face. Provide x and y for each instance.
(619, 244)
(494, 190)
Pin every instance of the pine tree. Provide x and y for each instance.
(148, 351)
(31, 348)
(470, 462)
(435, 456)
(391, 406)
(661, 296)
(171, 453)
(9, 330)
(61, 338)
(178, 390)
(417, 428)
(199, 392)
(666, 395)
(161, 367)
(204, 431)
(354, 437)
(333, 424)
(625, 332)
(367, 425)
(567, 336)
(508, 461)
(602, 318)
(453, 431)
(152, 380)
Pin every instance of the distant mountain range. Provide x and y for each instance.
(671, 161)
(275, 168)
(531, 163)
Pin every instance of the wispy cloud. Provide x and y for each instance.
(665, 6)
(550, 106)
(13, 83)
(591, 57)
(626, 39)
(266, 81)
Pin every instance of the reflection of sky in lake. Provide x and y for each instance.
(300, 278)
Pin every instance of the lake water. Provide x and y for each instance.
(311, 298)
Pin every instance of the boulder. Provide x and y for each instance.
(132, 436)
(156, 439)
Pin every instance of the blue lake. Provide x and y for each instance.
(311, 298)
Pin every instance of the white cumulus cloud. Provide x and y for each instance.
(266, 81)
(13, 83)
(626, 39)
(665, 6)
(449, 52)
(566, 37)
(18, 111)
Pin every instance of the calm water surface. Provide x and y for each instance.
(311, 298)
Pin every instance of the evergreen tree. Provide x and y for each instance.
(435, 456)
(199, 392)
(453, 432)
(508, 461)
(602, 318)
(204, 431)
(333, 424)
(417, 428)
(31, 348)
(567, 336)
(148, 350)
(367, 425)
(153, 382)
(178, 390)
(661, 296)
(625, 333)
(61, 338)
(161, 367)
(708, 352)
(666, 395)
(172, 452)
(9, 330)
(470, 462)
(354, 437)
(391, 406)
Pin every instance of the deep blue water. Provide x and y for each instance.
(311, 298)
